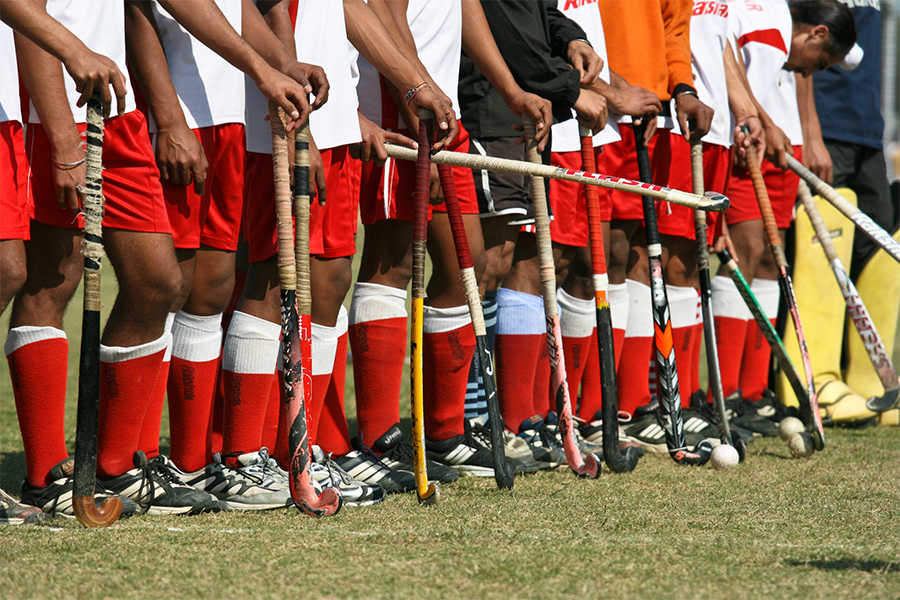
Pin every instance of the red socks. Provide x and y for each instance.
(150, 429)
(731, 316)
(447, 348)
(38, 364)
(683, 311)
(577, 322)
(327, 421)
(633, 373)
(757, 353)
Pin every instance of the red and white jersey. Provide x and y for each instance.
(10, 109)
(709, 32)
(100, 25)
(436, 26)
(210, 89)
(566, 136)
(761, 31)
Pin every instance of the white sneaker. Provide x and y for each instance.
(249, 487)
(328, 473)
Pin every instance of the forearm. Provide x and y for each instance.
(32, 21)
(277, 17)
(809, 116)
(369, 35)
(479, 45)
(740, 98)
(149, 66)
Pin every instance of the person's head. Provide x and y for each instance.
(823, 32)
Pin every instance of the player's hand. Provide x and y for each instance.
(778, 145)
(592, 111)
(180, 157)
(635, 101)
(69, 182)
(371, 148)
(817, 159)
(437, 102)
(650, 129)
(541, 112)
(312, 78)
(584, 60)
(694, 117)
(289, 94)
(435, 190)
(755, 140)
(94, 72)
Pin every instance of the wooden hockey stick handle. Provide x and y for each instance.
(301, 220)
(287, 265)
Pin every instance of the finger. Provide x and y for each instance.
(61, 198)
(320, 185)
(121, 91)
(163, 170)
(354, 151)
(200, 179)
(85, 96)
(366, 152)
(321, 88)
(398, 138)
(105, 98)
(578, 65)
(72, 200)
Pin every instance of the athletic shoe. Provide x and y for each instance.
(330, 475)
(743, 414)
(644, 429)
(463, 453)
(364, 465)
(249, 487)
(593, 432)
(399, 454)
(55, 499)
(544, 449)
(771, 407)
(698, 426)
(515, 449)
(14, 513)
(584, 446)
(156, 486)
(709, 412)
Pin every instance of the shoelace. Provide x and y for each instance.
(255, 477)
(155, 472)
(481, 435)
(335, 469)
(371, 454)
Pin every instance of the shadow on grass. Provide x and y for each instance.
(12, 471)
(849, 564)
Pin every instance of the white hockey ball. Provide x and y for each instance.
(724, 457)
(789, 426)
(801, 445)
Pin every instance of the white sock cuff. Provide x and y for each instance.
(577, 316)
(618, 305)
(117, 354)
(768, 293)
(196, 338)
(727, 300)
(682, 306)
(442, 320)
(324, 348)
(374, 302)
(21, 336)
(252, 345)
(640, 310)
(519, 313)
(342, 321)
(170, 320)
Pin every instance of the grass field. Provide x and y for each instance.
(824, 527)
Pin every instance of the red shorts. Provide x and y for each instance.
(387, 192)
(676, 220)
(781, 186)
(131, 186)
(621, 160)
(16, 206)
(568, 201)
(332, 228)
(214, 219)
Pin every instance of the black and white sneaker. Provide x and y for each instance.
(647, 430)
(463, 453)
(743, 413)
(14, 513)
(593, 432)
(398, 453)
(253, 486)
(584, 446)
(515, 449)
(364, 465)
(55, 499)
(544, 448)
(329, 474)
(156, 486)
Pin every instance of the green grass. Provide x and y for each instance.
(824, 527)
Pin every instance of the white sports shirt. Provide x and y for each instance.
(10, 109)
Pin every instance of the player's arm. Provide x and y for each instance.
(570, 41)
(815, 155)
(744, 108)
(626, 99)
(478, 44)
(204, 20)
(694, 117)
(179, 155)
(91, 71)
(369, 30)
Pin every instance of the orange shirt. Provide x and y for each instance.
(648, 42)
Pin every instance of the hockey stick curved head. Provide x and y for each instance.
(590, 469)
(700, 455)
(431, 495)
(717, 202)
(739, 445)
(623, 460)
(327, 505)
(504, 475)
(90, 513)
(886, 401)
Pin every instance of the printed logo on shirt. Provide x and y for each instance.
(876, 4)
(577, 3)
(710, 7)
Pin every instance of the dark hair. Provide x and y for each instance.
(834, 15)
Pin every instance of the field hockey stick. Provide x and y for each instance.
(297, 380)
(428, 493)
(765, 326)
(503, 471)
(83, 504)
(859, 218)
(663, 340)
(813, 420)
(708, 202)
(857, 311)
(589, 465)
(709, 330)
(617, 460)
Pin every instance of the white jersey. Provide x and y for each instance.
(762, 31)
(709, 32)
(436, 27)
(210, 90)
(10, 109)
(101, 26)
(566, 137)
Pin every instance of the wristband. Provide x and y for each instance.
(68, 166)
(415, 91)
(681, 89)
(588, 42)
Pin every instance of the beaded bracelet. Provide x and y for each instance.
(415, 91)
